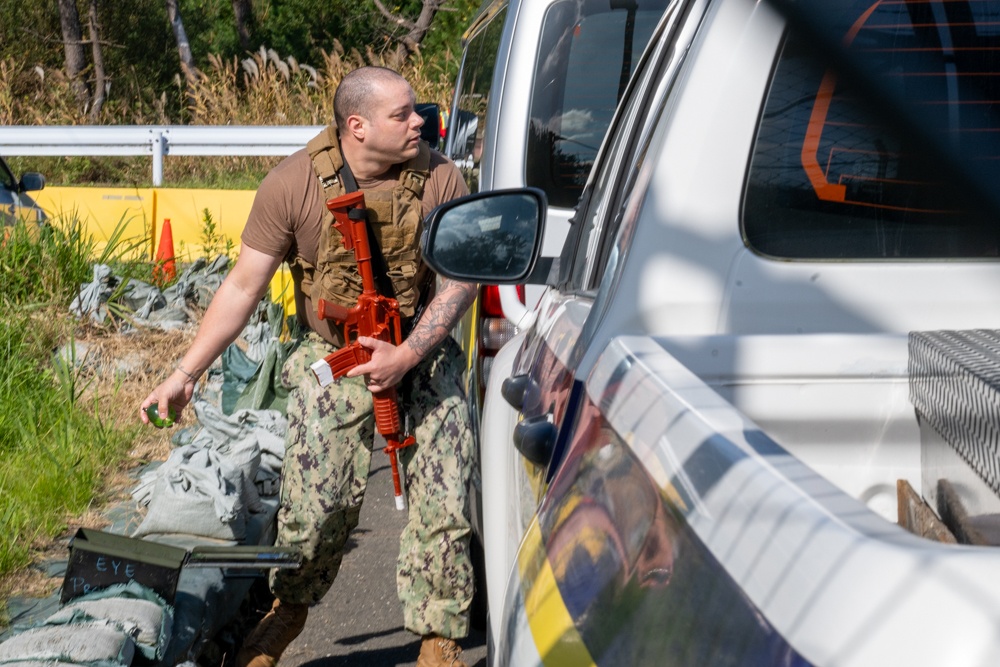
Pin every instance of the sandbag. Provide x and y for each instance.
(237, 371)
(136, 610)
(142, 298)
(236, 440)
(95, 642)
(198, 282)
(197, 492)
(251, 440)
(258, 331)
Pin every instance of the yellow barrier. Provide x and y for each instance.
(101, 209)
(144, 210)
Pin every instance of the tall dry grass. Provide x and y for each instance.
(261, 89)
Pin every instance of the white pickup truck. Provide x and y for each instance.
(755, 421)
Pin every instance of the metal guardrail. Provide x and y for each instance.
(156, 141)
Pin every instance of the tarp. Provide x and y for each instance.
(109, 296)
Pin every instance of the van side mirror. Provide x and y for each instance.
(488, 237)
(31, 181)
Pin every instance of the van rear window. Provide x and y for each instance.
(589, 49)
(831, 179)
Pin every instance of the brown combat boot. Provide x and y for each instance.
(273, 634)
(438, 651)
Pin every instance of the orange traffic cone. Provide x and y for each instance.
(164, 271)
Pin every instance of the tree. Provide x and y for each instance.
(243, 13)
(89, 98)
(75, 56)
(183, 45)
(97, 53)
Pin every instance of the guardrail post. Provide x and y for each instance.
(158, 150)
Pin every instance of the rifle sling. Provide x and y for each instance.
(380, 268)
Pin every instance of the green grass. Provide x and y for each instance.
(55, 448)
(218, 172)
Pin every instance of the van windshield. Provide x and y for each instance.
(7, 180)
(831, 177)
(587, 53)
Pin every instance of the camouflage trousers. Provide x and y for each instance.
(325, 471)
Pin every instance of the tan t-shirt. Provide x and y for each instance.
(288, 210)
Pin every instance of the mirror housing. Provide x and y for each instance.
(31, 181)
(490, 237)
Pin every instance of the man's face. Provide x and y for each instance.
(393, 132)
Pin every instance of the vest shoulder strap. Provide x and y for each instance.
(416, 171)
(324, 153)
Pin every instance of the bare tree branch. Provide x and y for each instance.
(97, 53)
(394, 18)
(415, 30)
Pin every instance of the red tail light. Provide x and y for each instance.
(494, 330)
(490, 300)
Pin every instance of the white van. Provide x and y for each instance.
(535, 94)
(538, 85)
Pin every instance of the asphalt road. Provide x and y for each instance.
(360, 622)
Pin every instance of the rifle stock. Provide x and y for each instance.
(376, 316)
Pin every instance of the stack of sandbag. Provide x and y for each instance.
(113, 627)
(208, 486)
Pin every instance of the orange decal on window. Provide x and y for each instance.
(817, 119)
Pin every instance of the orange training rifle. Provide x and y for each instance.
(376, 316)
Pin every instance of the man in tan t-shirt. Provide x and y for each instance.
(331, 429)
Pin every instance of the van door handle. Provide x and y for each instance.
(513, 390)
(535, 438)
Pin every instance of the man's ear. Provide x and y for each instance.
(357, 125)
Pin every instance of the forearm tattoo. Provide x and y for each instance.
(442, 314)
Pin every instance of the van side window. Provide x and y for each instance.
(613, 188)
(588, 50)
(465, 143)
(828, 179)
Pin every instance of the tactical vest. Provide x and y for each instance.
(396, 217)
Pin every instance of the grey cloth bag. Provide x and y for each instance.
(92, 298)
(197, 492)
(236, 439)
(95, 642)
(134, 609)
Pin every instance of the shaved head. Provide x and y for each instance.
(377, 122)
(357, 90)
